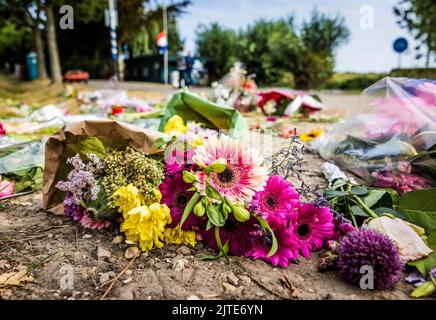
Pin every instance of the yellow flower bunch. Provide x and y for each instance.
(145, 225)
(175, 124)
(178, 236)
(129, 197)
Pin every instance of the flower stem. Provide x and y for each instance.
(364, 206)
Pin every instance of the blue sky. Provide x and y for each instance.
(368, 50)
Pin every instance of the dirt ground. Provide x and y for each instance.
(69, 262)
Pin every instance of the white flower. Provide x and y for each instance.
(410, 245)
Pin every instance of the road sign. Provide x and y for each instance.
(400, 45)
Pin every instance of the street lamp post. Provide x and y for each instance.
(165, 29)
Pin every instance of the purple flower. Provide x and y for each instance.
(82, 181)
(369, 248)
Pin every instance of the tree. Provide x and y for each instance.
(324, 34)
(27, 14)
(419, 18)
(55, 65)
(217, 46)
(277, 51)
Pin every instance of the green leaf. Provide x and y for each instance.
(373, 197)
(396, 213)
(358, 211)
(339, 183)
(334, 193)
(431, 240)
(425, 265)
(359, 190)
(424, 290)
(419, 207)
(161, 141)
(189, 207)
(266, 227)
(209, 225)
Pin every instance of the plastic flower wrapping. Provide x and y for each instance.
(202, 186)
(391, 142)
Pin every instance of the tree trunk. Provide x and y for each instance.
(53, 52)
(120, 61)
(39, 48)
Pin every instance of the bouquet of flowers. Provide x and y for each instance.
(392, 143)
(218, 192)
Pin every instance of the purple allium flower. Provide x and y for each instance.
(369, 248)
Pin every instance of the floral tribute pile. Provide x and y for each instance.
(217, 191)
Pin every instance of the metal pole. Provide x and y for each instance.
(113, 34)
(165, 27)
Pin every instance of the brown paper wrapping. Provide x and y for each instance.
(136, 137)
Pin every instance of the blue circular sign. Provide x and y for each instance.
(400, 45)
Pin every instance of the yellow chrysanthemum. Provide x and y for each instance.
(127, 198)
(145, 225)
(313, 134)
(197, 141)
(175, 124)
(178, 236)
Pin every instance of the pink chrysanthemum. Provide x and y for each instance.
(277, 198)
(287, 245)
(175, 196)
(312, 226)
(238, 234)
(244, 174)
(77, 213)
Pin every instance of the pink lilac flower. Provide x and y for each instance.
(287, 245)
(278, 197)
(175, 196)
(312, 226)
(238, 234)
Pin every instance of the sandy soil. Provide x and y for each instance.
(53, 247)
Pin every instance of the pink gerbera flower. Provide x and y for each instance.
(238, 234)
(277, 198)
(244, 174)
(175, 196)
(312, 226)
(287, 244)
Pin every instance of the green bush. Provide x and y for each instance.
(353, 81)
(427, 73)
